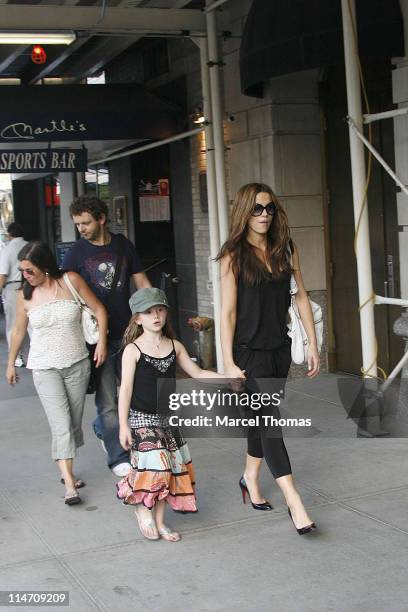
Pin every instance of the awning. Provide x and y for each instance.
(60, 113)
(284, 36)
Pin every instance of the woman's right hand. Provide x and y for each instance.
(236, 377)
(11, 375)
(101, 352)
(233, 371)
(125, 437)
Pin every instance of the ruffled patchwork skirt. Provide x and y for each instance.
(161, 466)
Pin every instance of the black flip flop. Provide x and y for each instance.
(79, 483)
(72, 501)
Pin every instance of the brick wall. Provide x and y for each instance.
(201, 230)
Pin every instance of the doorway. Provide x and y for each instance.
(167, 247)
(383, 223)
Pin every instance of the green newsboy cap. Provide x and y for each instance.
(143, 299)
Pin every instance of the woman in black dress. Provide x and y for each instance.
(256, 265)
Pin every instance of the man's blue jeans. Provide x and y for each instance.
(106, 424)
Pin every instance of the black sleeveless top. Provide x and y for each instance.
(149, 395)
(262, 312)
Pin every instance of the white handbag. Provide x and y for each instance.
(296, 331)
(88, 320)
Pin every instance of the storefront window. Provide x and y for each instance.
(6, 206)
(52, 199)
(97, 182)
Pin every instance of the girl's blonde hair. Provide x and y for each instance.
(134, 330)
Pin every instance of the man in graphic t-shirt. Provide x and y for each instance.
(95, 257)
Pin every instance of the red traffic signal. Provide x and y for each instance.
(38, 55)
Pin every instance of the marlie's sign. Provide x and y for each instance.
(43, 160)
(22, 130)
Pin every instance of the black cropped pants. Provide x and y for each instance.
(265, 441)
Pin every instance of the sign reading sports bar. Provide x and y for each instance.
(43, 160)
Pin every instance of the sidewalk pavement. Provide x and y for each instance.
(231, 558)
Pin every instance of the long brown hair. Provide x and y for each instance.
(40, 255)
(243, 257)
(134, 330)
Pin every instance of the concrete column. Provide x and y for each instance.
(80, 183)
(67, 183)
(401, 329)
(400, 97)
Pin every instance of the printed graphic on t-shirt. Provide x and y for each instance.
(101, 269)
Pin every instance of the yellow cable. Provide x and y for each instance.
(384, 374)
(369, 299)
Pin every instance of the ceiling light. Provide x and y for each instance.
(199, 120)
(198, 116)
(37, 38)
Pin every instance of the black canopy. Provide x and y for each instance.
(31, 113)
(284, 36)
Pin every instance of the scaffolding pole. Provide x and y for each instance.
(214, 64)
(212, 200)
(358, 173)
(148, 146)
(377, 156)
(214, 5)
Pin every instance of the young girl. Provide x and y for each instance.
(162, 470)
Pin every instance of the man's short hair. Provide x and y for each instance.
(15, 230)
(89, 204)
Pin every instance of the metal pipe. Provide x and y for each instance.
(377, 155)
(379, 299)
(385, 115)
(358, 174)
(156, 264)
(145, 33)
(218, 127)
(212, 201)
(400, 365)
(151, 145)
(214, 5)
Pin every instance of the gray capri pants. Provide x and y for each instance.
(62, 393)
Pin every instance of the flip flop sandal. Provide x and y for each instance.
(73, 500)
(146, 524)
(168, 535)
(78, 483)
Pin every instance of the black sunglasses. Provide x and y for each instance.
(28, 271)
(259, 208)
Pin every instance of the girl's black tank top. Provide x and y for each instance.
(153, 382)
(262, 313)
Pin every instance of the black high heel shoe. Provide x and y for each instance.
(302, 530)
(245, 492)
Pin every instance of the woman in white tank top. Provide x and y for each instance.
(58, 354)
